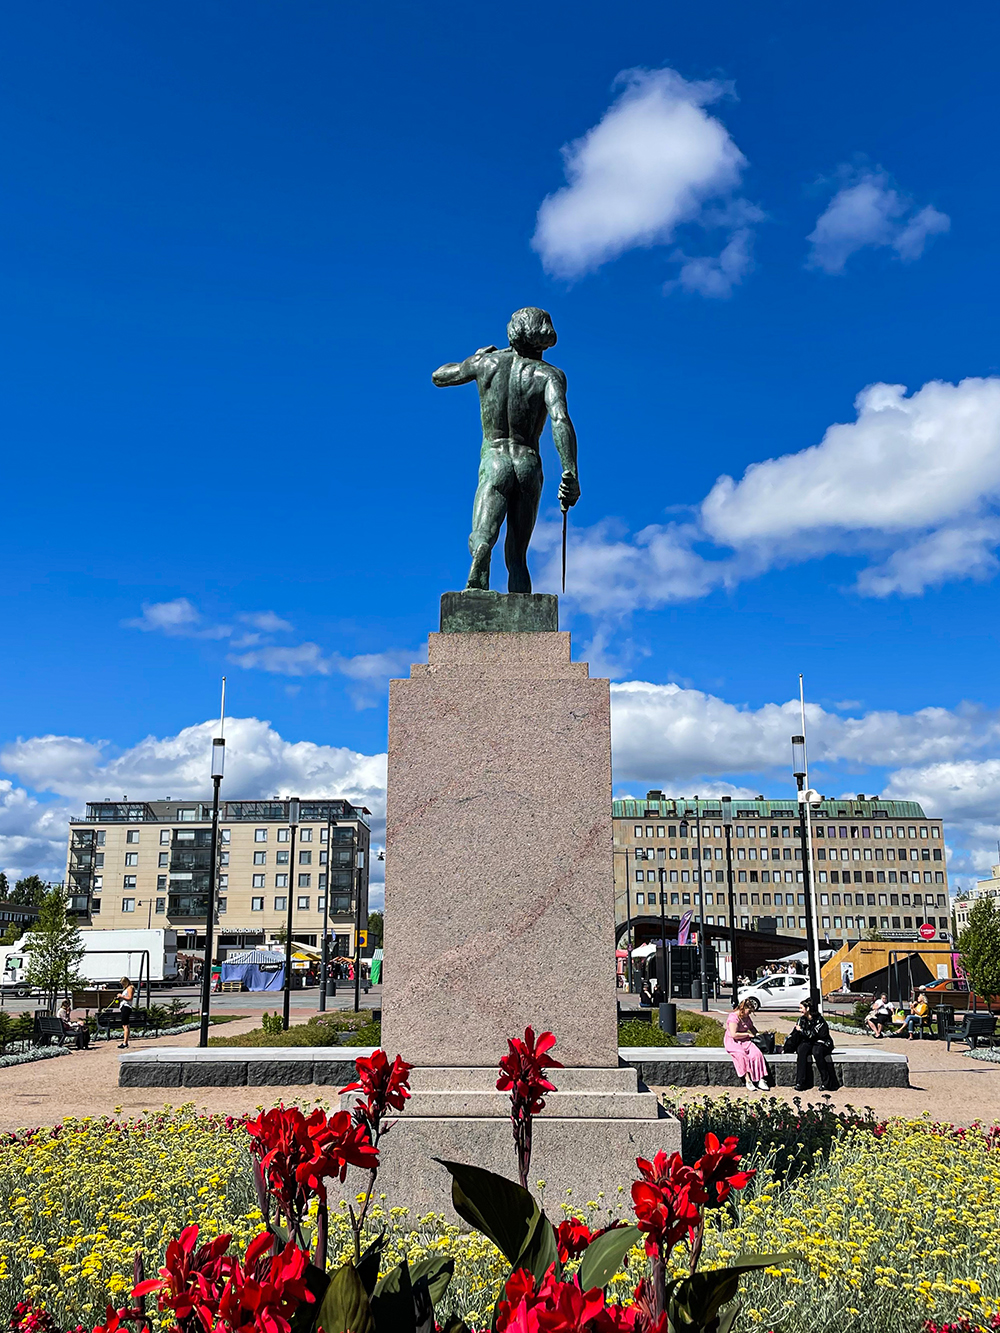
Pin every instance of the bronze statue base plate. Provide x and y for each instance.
(481, 611)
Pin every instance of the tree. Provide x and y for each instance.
(12, 934)
(29, 892)
(54, 948)
(4, 887)
(375, 925)
(979, 949)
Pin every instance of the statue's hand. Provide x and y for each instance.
(483, 350)
(569, 490)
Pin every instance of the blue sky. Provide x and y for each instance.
(237, 237)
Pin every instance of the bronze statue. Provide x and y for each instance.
(517, 388)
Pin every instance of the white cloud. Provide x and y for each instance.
(266, 621)
(869, 211)
(655, 161)
(913, 484)
(259, 763)
(177, 619)
(369, 672)
(708, 276)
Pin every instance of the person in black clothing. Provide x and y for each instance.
(810, 1040)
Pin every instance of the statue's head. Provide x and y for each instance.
(530, 330)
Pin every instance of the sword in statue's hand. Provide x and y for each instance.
(565, 514)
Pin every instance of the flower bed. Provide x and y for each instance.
(28, 1057)
(880, 1226)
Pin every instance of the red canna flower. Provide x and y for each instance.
(719, 1170)
(551, 1307)
(521, 1074)
(385, 1086)
(572, 1238)
(666, 1202)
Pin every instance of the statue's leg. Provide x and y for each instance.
(522, 510)
(488, 510)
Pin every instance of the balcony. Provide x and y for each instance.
(192, 905)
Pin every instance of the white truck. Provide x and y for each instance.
(111, 955)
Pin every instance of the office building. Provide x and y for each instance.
(879, 865)
(147, 863)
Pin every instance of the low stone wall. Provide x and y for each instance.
(333, 1066)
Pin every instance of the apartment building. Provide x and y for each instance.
(148, 863)
(985, 888)
(879, 865)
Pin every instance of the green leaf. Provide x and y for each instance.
(345, 1307)
(455, 1325)
(392, 1303)
(368, 1268)
(694, 1302)
(494, 1205)
(603, 1257)
(438, 1273)
(540, 1251)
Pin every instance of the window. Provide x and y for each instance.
(305, 881)
(637, 831)
(877, 831)
(935, 833)
(223, 858)
(188, 815)
(660, 831)
(913, 832)
(128, 904)
(161, 906)
(164, 858)
(95, 907)
(305, 858)
(302, 903)
(223, 881)
(321, 903)
(640, 900)
(164, 836)
(260, 858)
(132, 835)
(825, 923)
(649, 830)
(129, 882)
(224, 835)
(101, 835)
(937, 853)
(260, 835)
(258, 881)
(256, 904)
(281, 904)
(131, 858)
(281, 881)
(283, 835)
(305, 835)
(281, 858)
(161, 882)
(923, 832)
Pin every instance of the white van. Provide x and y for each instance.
(784, 991)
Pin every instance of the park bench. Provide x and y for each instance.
(111, 1018)
(974, 1028)
(47, 1029)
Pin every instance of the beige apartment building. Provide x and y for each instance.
(879, 865)
(148, 863)
(985, 888)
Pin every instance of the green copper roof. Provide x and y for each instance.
(690, 808)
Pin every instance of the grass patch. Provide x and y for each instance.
(710, 1031)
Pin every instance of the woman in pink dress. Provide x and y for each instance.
(748, 1059)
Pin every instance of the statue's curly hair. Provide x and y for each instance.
(533, 327)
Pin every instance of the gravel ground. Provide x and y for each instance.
(948, 1085)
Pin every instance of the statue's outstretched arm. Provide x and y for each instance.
(563, 437)
(459, 372)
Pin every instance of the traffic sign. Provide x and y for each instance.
(927, 931)
(362, 939)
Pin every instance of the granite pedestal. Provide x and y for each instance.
(500, 908)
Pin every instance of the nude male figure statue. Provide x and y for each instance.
(517, 389)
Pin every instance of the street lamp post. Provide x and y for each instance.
(662, 980)
(702, 964)
(359, 859)
(293, 823)
(218, 763)
(324, 969)
(800, 772)
(728, 817)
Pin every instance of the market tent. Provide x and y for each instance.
(257, 969)
(803, 957)
(376, 968)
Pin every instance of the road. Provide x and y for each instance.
(236, 1002)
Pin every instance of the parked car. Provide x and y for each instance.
(784, 991)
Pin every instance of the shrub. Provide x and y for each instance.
(710, 1031)
(272, 1023)
(634, 1032)
(368, 1035)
